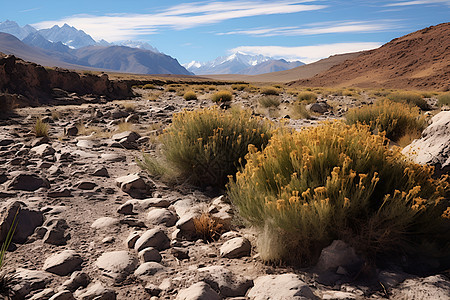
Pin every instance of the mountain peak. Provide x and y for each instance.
(13, 28)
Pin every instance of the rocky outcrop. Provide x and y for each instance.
(36, 83)
(433, 148)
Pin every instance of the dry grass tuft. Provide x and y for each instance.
(222, 96)
(190, 95)
(207, 227)
(40, 128)
(269, 101)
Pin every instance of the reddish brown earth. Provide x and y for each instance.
(419, 60)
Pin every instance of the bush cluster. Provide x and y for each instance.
(308, 97)
(209, 144)
(270, 91)
(396, 119)
(269, 101)
(190, 95)
(336, 181)
(410, 98)
(444, 99)
(222, 96)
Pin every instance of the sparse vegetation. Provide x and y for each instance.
(124, 126)
(5, 279)
(444, 99)
(308, 97)
(239, 87)
(269, 101)
(336, 181)
(40, 128)
(129, 106)
(270, 91)
(409, 98)
(208, 227)
(396, 119)
(190, 95)
(148, 86)
(207, 145)
(222, 96)
(56, 115)
(299, 111)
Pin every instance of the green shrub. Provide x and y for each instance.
(207, 145)
(270, 91)
(308, 97)
(336, 181)
(396, 119)
(190, 95)
(269, 101)
(222, 96)
(40, 128)
(444, 99)
(409, 98)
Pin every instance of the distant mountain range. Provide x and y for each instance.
(241, 63)
(69, 47)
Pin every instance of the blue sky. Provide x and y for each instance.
(203, 30)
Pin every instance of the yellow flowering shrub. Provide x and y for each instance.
(336, 181)
(207, 145)
(396, 119)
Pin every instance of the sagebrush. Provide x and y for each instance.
(222, 96)
(336, 181)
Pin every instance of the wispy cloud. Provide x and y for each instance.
(30, 9)
(306, 54)
(312, 29)
(418, 2)
(126, 26)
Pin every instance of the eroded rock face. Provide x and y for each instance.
(35, 83)
(433, 148)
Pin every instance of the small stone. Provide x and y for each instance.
(59, 192)
(77, 279)
(149, 254)
(125, 209)
(26, 281)
(180, 253)
(63, 263)
(161, 216)
(63, 295)
(117, 264)
(104, 222)
(96, 291)
(236, 248)
(149, 268)
(55, 233)
(43, 150)
(86, 185)
(101, 172)
(152, 289)
(224, 281)
(71, 130)
(131, 239)
(280, 287)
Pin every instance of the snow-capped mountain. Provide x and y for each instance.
(137, 44)
(68, 35)
(13, 28)
(237, 63)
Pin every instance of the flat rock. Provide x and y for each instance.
(150, 254)
(96, 291)
(149, 268)
(63, 295)
(161, 216)
(130, 136)
(280, 287)
(198, 291)
(85, 185)
(27, 182)
(156, 238)
(63, 263)
(236, 248)
(224, 281)
(43, 150)
(101, 172)
(433, 287)
(104, 222)
(113, 157)
(117, 264)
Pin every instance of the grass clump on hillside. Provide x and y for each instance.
(40, 128)
(444, 99)
(308, 97)
(239, 87)
(410, 98)
(190, 95)
(148, 86)
(396, 119)
(222, 96)
(269, 101)
(336, 181)
(207, 145)
(298, 111)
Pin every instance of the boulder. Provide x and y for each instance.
(27, 221)
(280, 287)
(236, 248)
(63, 263)
(224, 281)
(318, 107)
(338, 254)
(156, 238)
(198, 291)
(25, 281)
(161, 216)
(433, 148)
(117, 264)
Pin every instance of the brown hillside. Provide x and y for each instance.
(419, 60)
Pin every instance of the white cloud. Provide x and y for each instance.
(127, 26)
(306, 54)
(331, 27)
(419, 2)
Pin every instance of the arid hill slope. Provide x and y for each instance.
(419, 60)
